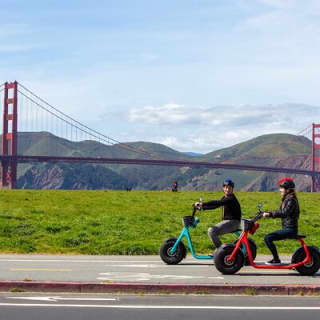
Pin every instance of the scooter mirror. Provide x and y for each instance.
(259, 205)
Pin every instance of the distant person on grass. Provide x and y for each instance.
(174, 187)
(231, 213)
(289, 213)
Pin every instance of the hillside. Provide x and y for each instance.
(282, 150)
(80, 176)
(279, 150)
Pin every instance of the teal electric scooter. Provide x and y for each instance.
(173, 250)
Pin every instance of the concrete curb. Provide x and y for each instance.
(143, 288)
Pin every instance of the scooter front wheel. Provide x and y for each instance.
(172, 258)
(311, 267)
(223, 264)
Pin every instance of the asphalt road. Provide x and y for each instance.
(78, 307)
(146, 269)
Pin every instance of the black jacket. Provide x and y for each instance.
(231, 209)
(289, 212)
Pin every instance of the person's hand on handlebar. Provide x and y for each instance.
(267, 215)
(197, 205)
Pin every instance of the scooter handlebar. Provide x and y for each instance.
(195, 208)
(258, 216)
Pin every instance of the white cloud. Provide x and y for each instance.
(167, 114)
(190, 143)
(174, 114)
(207, 129)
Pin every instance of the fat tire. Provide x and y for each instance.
(220, 259)
(175, 258)
(310, 268)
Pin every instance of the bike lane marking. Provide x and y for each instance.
(57, 298)
(131, 276)
(41, 269)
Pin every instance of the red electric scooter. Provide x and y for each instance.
(229, 258)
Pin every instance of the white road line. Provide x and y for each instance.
(54, 299)
(268, 308)
(131, 276)
(142, 276)
(152, 266)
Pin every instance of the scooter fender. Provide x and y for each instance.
(310, 248)
(171, 239)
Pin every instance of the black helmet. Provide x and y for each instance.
(228, 182)
(286, 183)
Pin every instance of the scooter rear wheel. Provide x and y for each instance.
(310, 268)
(172, 258)
(221, 259)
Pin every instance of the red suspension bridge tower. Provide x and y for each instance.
(10, 135)
(315, 157)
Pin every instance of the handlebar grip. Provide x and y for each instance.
(258, 216)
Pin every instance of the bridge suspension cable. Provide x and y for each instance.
(71, 122)
(306, 131)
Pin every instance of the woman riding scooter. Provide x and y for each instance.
(288, 212)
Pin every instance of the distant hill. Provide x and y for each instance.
(129, 176)
(279, 150)
(282, 150)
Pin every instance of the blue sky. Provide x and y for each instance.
(195, 75)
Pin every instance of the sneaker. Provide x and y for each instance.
(274, 261)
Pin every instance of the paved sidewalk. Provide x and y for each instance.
(79, 273)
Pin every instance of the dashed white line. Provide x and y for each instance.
(255, 308)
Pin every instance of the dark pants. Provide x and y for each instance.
(223, 227)
(278, 235)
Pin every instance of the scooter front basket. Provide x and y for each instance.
(246, 225)
(188, 221)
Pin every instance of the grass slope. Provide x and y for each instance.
(266, 147)
(120, 222)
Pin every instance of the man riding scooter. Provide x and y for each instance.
(231, 213)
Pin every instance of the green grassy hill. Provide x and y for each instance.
(267, 148)
(279, 150)
(120, 222)
(44, 143)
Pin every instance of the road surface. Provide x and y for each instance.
(78, 307)
(146, 269)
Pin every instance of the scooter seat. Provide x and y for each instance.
(298, 236)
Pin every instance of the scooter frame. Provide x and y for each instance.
(185, 234)
(244, 239)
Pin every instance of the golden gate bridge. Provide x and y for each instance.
(24, 111)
